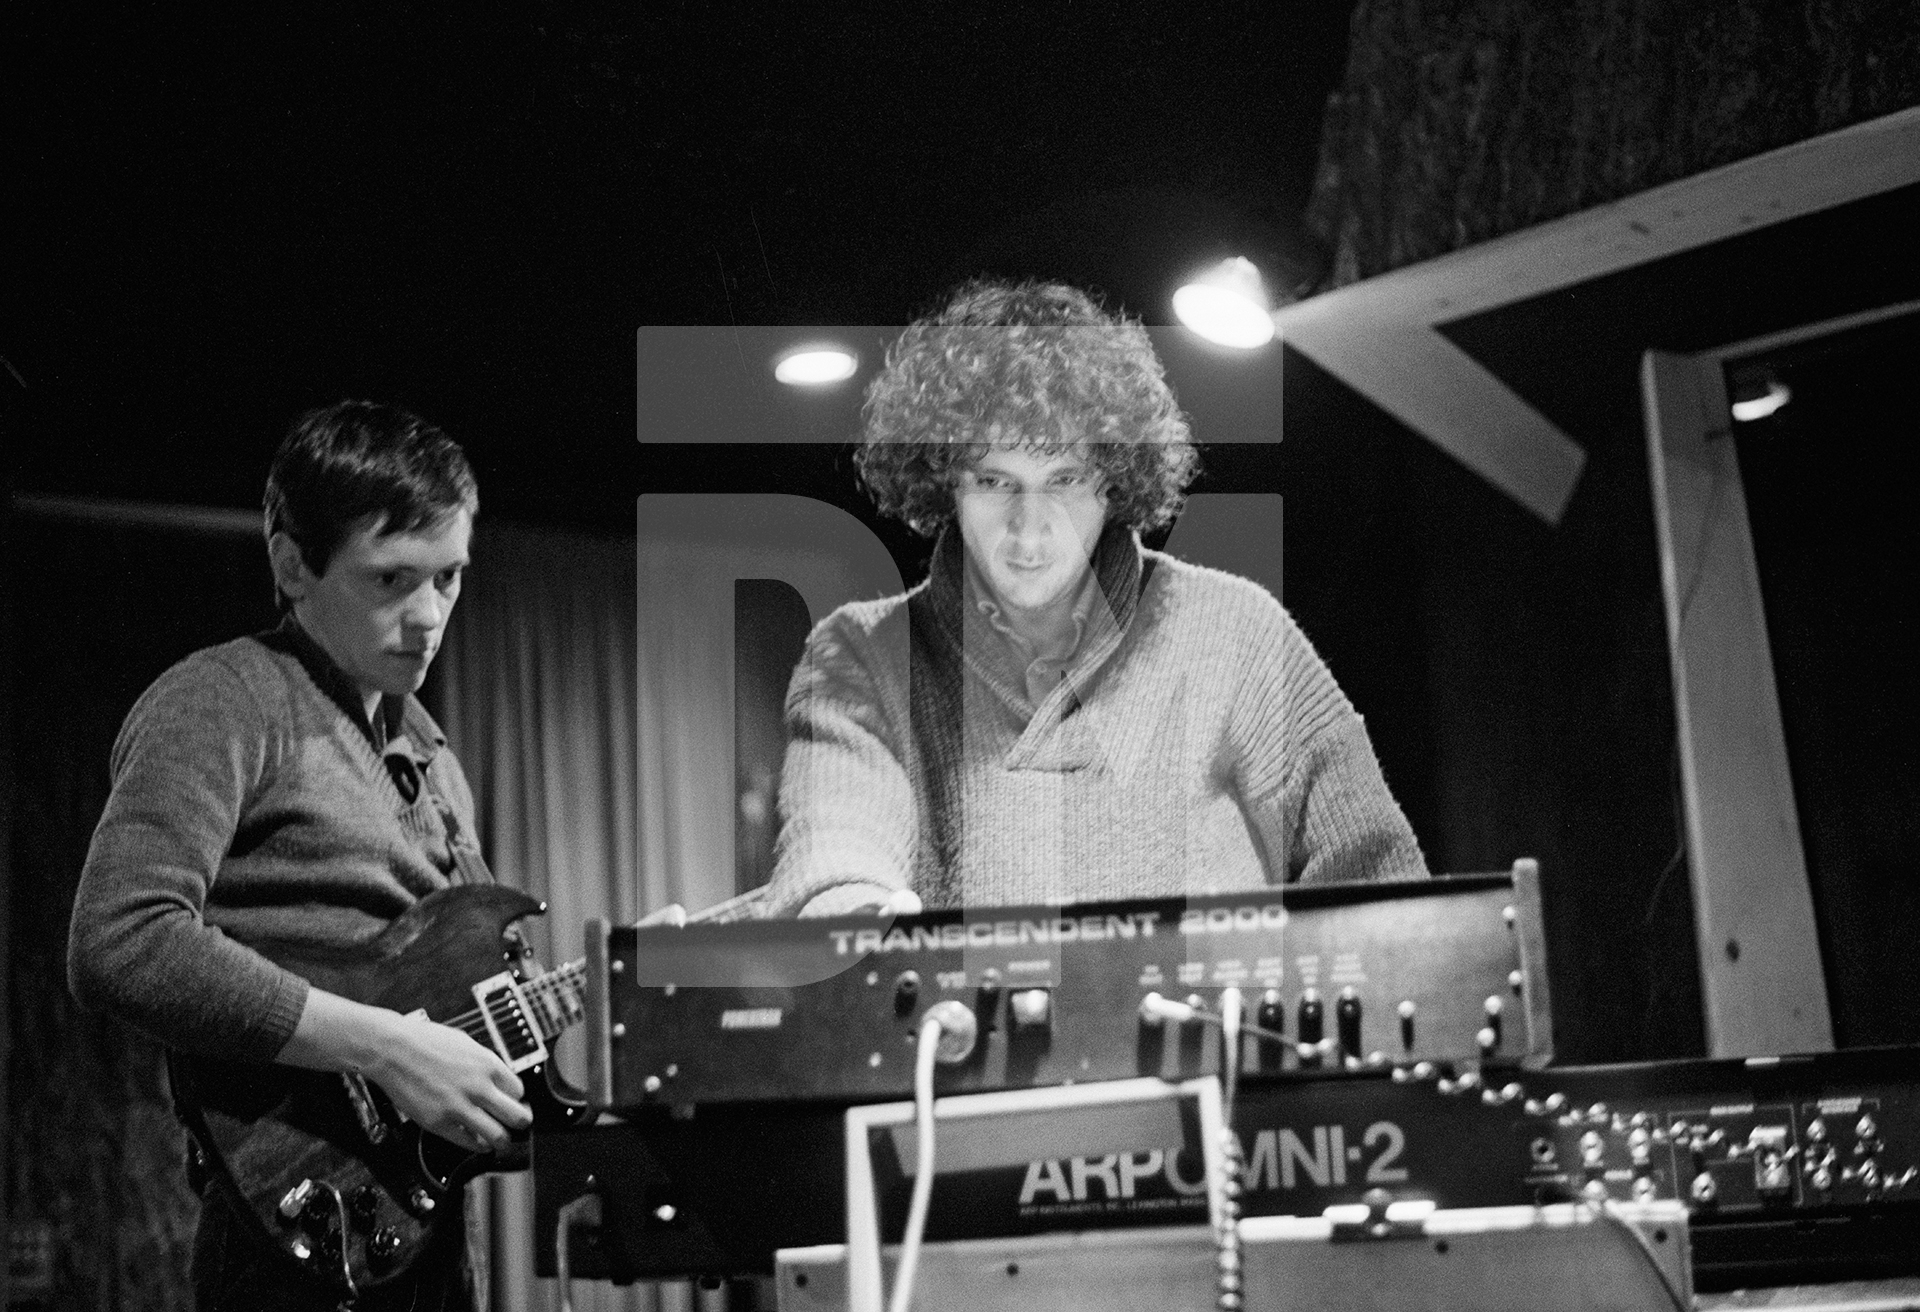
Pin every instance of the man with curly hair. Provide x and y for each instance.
(1057, 714)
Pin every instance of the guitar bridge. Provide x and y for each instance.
(509, 1022)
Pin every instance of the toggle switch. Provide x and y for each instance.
(1312, 1027)
(989, 997)
(906, 992)
(1030, 1009)
(1346, 1021)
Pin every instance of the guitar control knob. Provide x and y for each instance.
(364, 1205)
(384, 1246)
(421, 1200)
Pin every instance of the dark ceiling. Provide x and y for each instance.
(217, 221)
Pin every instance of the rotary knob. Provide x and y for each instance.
(384, 1246)
(363, 1204)
(294, 1201)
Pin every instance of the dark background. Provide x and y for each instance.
(218, 223)
(214, 223)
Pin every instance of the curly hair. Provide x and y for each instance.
(1032, 366)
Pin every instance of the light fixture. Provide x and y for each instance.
(1227, 305)
(815, 366)
(1758, 396)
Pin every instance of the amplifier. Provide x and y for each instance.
(1347, 976)
(1795, 1169)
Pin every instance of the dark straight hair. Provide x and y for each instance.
(359, 460)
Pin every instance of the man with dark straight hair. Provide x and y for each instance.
(288, 788)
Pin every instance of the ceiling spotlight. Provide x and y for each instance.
(1760, 399)
(1227, 305)
(815, 366)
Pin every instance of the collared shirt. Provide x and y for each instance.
(386, 730)
(1041, 674)
(341, 690)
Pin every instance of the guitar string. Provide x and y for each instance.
(539, 993)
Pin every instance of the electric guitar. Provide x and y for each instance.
(327, 1171)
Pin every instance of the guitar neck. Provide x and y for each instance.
(556, 998)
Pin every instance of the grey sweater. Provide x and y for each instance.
(1199, 744)
(249, 802)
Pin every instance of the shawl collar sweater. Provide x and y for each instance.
(1196, 744)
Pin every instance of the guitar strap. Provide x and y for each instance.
(469, 865)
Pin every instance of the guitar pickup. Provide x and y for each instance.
(509, 1022)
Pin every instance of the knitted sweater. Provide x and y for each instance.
(249, 803)
(1198, 744)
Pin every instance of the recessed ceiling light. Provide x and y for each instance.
(1749, 408)
(815, 366)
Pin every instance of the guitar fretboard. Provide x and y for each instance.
(556, 998)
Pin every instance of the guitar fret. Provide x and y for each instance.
(556, 997)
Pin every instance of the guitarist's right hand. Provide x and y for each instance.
(437, 1076)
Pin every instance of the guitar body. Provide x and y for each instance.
(321, 1164)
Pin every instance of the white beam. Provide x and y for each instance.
(1763, 988)
(1379, 336)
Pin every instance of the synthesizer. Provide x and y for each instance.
(1335, 977)
(1793, 1169)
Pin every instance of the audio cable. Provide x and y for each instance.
(925, 1050)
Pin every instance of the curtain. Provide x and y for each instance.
(600, 748)
(537, 687)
